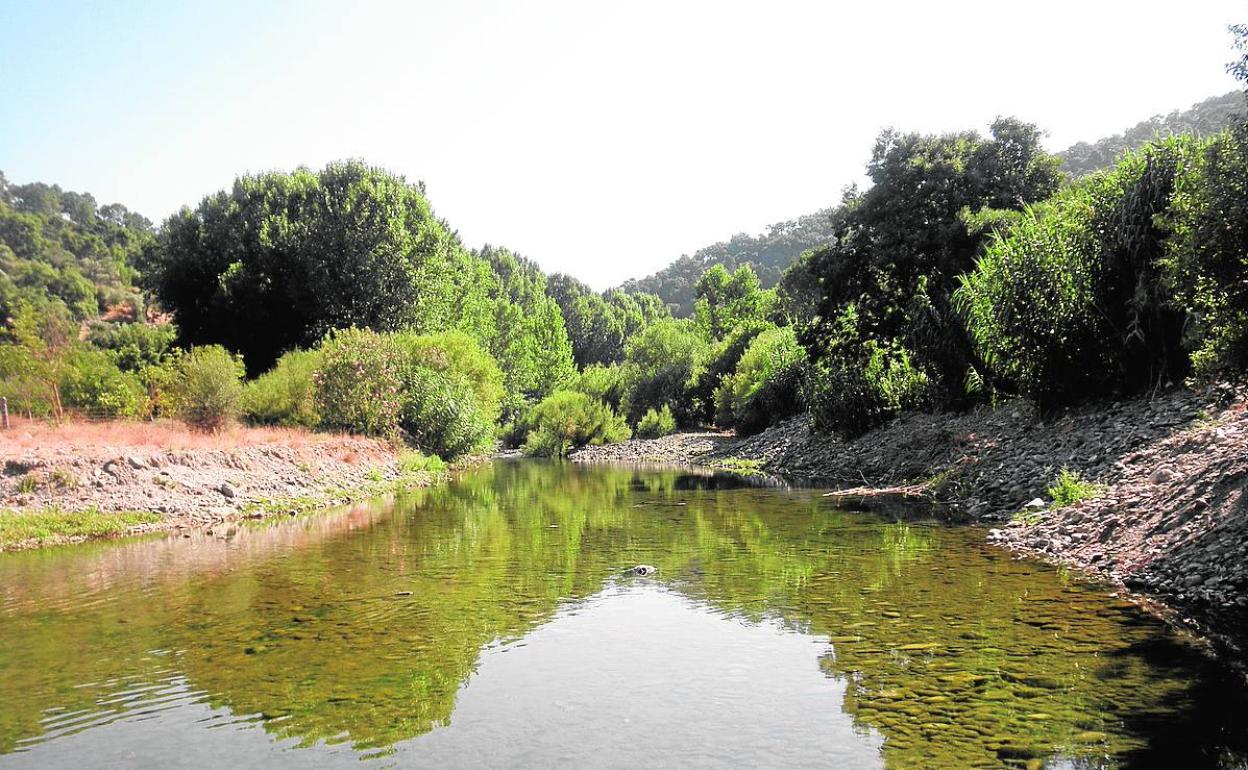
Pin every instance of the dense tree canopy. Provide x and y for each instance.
(600, 324)
(1201, 119)
(280, 259)
(885, 284)
(970, 265)
(772, 252)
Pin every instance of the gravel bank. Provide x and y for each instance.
(195, 487)
(676, 449)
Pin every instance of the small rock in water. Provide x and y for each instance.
(642, 569)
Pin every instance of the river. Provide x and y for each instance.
(490, 623)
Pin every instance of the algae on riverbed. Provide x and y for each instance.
(363, 627)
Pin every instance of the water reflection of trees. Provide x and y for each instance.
(363, 627)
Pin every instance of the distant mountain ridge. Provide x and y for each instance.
(771, 252)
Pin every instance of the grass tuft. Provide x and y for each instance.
(1069, 488)
(27, 484)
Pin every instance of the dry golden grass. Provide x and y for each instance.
(162, 434)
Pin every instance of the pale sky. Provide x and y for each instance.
(600, 139)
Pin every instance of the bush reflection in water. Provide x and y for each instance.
(362, 626)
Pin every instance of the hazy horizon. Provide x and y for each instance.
(599, 142)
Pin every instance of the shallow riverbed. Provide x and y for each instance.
(489, 623)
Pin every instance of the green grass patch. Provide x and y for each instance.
(1028, 517)
(740, 465)
(416, 462)
(53, 524)
(1069, 488)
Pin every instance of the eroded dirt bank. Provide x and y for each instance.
(1169, 518)
(189, 480)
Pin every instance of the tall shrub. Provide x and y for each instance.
(860, 381)
(1207, 257)
(765, 387)
(208, 388)
(1069, 303)
(442, 415)
(286, 394)
(661, 363)
(459, 355)
(441, 392)
(567, 419)
(93, 384)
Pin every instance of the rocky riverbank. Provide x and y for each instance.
(187, 481)
(1167, 516)
(676, 449)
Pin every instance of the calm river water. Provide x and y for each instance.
(488, 624)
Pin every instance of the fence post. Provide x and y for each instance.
(4, 412)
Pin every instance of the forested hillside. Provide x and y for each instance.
(770, 253)
(1201, 119)
(63, 253)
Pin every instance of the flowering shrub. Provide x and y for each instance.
(358, 382)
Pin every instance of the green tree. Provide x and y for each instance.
(660, 365)
(281, 258)
(886, 283)
(727, 300)
(600, 324)
(38, 342)
(1239, 67)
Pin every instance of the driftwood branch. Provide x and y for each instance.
(915, 492)
(904, 501)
